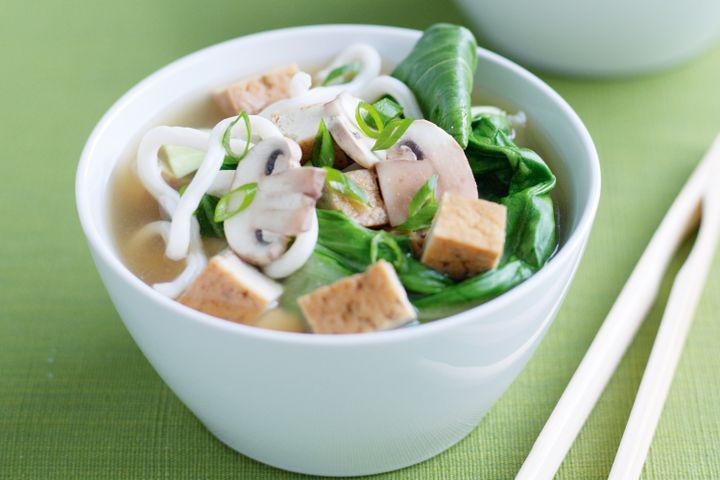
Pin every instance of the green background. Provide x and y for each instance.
(77, 398)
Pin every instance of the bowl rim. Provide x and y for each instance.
(575, 242)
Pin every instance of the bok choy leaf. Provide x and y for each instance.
(356, 247)
(439, 71)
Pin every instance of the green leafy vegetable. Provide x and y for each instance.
(497, 162)
(341, 74)
(345, 186)
(520, 179)
(356, 247)
(242, 196)
(439, 71)
(391, 133)
(422, 207)
(365, 109)
(323, 153)
(231, 160)
(474, 290)
(205, 214)
(496, 115)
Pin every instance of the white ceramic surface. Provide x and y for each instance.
(586, 37)
(336, 405)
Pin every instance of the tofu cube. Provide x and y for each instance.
(365, 302)
(254, 94)
(466, 238)
(367, 216)
(301, 124)
(231, 289)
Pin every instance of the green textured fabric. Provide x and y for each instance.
(77, 398)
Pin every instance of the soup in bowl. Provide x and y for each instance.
(424, 372)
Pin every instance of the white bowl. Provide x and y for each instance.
(336, 405)
(610, 37)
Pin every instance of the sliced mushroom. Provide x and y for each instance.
(283, 205)
(423, 150)
(340, 120)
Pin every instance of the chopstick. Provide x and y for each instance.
(669, 342)
(619, 327)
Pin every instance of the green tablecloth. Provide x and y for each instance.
(77, 398)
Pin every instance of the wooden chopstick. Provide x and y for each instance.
(619, 327)
(665, 354)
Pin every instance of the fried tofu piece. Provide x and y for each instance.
(417, 242)
(231, 289)
(466, 238)
(365, 302)
(254, 94)
(301, 124)
(372, 216)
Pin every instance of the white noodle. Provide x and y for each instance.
(383, 85)
(194, 264)
(367, 56)
(311, 97)
(148, 163)
(296, 256)
(370, 64)
(221, 183)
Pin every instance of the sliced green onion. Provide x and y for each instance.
(426, 195)
(386, 239)
(341, 74)
(323, 154)
(230, 157)
(343, 185)
(247, 192)
(392, 133)
(422, 207)
(367, 129)
(388, 109)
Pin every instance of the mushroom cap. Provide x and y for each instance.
(340, 120)
(422, 151)
(284, 202)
